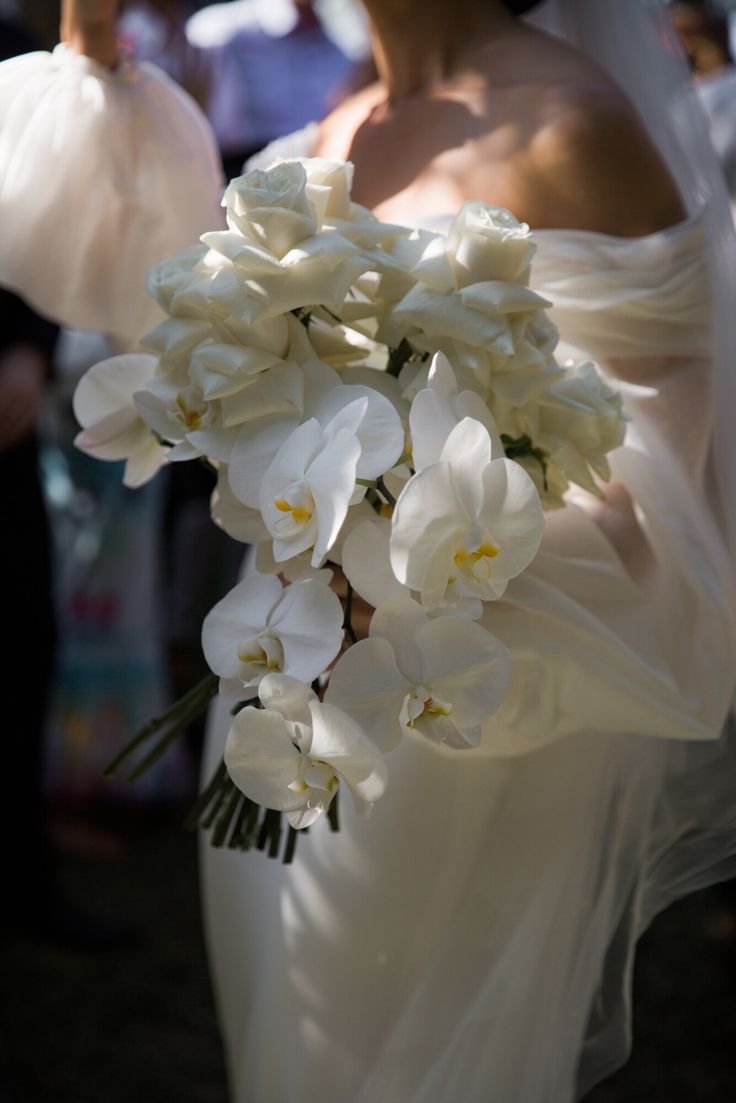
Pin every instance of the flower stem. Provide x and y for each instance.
(226, 817)
(270, 829)
(208, 464)
(292, 837)
(200, 806)
(175, 719)
(348, 618)
(398, 357)
(383, 489)
(332, 813)
(246, 817)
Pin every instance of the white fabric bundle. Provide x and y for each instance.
(102, 174)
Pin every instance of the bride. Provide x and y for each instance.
(476, 940)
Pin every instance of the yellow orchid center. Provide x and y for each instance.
(298, 513)
(422, 703)
(436, 708)
(191, 418)
(265, 651)
(483, 551)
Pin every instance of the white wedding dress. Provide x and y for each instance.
(474, 940)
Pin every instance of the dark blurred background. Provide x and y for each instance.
(105, 991)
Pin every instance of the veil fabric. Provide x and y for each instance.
(634, 42)
(693, 837)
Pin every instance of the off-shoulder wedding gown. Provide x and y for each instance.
(474, 941)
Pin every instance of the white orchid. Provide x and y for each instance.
(366, 562)
(261, 627)
(294, 753)
(438, 408)
(439, 678)
(467, 520)
(307, 489)
(374, 421)
(210, 426)
(111, 426)
(229, 513)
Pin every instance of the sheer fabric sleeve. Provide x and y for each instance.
(594, 645)
(642, 308)
(102, 174)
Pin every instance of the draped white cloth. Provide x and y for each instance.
(475, 939)
(102, 175)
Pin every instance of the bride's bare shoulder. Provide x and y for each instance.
(589, 154)
(593, 160)
(337, 129)
(532, 125)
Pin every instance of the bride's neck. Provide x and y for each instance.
(420, 42)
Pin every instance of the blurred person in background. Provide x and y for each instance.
(155, 31)
(277, 65)
(703, 28)
(35, 902)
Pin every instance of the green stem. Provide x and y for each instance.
(208, 464)
(208, 819)
(203, 800)
(383, 489)
(250, 828)
(188, 706)
(271, 822)
(240, 827)
(292, 837)
(405, 457)
(333, 813)
(226, 817)
(398, 357)
(348, 619)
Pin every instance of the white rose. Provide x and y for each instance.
(582, 419)
(318, 271)
(328, 187)
(271, 208)
(488, 243)
(492, 315)
(170, 280)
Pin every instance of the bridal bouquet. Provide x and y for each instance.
(386, 418)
